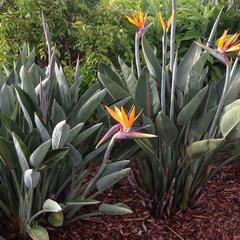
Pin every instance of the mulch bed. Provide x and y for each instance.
(217, 217)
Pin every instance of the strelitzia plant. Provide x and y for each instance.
(193, 117)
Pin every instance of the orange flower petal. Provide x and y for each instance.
(162, 22)
(132, 115)
(138, 115)
(230, 41)
(139, 20)
(222, 39)
(125, 118)
(118, 112)
(234, 48)
(169, 22)
(114, 115)
(133, 21)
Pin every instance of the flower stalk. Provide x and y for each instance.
(101, 169)
(163, 82)
(173, 31)
(137, 55)
(174, 77)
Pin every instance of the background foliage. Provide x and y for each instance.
(97, 30)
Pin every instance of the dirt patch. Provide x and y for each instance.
(216, 217)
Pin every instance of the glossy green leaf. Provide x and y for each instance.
(8, 153)
(229, 124)
(90, 106)
(56, 219)
(201, 148)
(22, 152)
(111, 82)
(190, 109)
(38, 233)
(152, 62)
(114, 209)
(60, 134)
(40, 153)
(109, 180)
(51, 206)
(166, 128)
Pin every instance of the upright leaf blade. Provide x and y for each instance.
(190, 109)
(60, 134)
(22, 152)
(152, 62)
(90, 106)
(40, 153)
(166, 128)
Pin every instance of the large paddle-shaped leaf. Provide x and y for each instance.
(22, 152)
(146, 95)
(40, 153)
(8, 153)
(111, 82)
(60, 134)
(190, 109)
(186, 64)
(230, 123)
(109, 180)
(90, 106)
(152, 62)
(201, 148)
(166, 128)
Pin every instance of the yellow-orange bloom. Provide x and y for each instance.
(121, 117)
(140, 20)
(225, 44)
(166, 24)
(124, 129)
(228, 44)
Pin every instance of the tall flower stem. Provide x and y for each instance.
(163, 82)
(221, 103)
(174, 77)
(101, 169)
(173, 30)
(137, 56)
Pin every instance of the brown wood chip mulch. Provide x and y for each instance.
(217, 217)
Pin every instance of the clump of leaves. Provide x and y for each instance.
(194, 117)
(46, 151)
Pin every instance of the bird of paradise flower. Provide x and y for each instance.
(226, 45)
(124, 128)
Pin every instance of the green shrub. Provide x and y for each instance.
(98, 30)
(46, 152)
